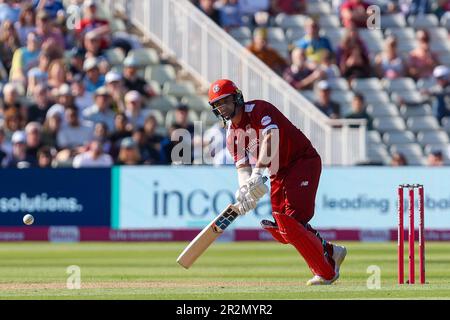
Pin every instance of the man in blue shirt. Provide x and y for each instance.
(313, 44)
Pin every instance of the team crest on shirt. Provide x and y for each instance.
(216, 88)
(266, 120)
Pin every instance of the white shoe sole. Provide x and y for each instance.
(339, 257)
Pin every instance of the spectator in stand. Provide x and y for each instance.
(39, 74)
(314, 45)
(324, 103)
(129, 153)
(57, 73)
(100, 111)
(415, 7)
(300, 74)
(148, 154)
(388, 64)
(92, 45)
(8, 11)
(91, 22)
(214, 141)
(9, 43)
(266, 54)
(116, 89)
(52, 7)
(435, 159)
(25, 58)
(398, 160)
(47, 32)
(422, 60)
(441, 7)
(76, 63)
(122, 129)
(73, 134)
(131, 79)
(329, 69)
(44, 157)
(359, 110)
(440, 93)
(133, 109)
(152, 137)
(52, 125)
(83, 98)
(18, 158)
(11, 98)
(250, 8)
(64, 99)
(288, 7)
(207, 7)
(181, 119)
(3, 145)
(352, 57)
(93, 157)
(93, 78)
(41, 103)
(101, 133)
(26, 23)
(354, 14)
(33, 140)
(229, 13)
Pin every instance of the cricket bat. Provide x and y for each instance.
(208, 235)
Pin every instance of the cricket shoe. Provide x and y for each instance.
(339, 253)
(319, 281)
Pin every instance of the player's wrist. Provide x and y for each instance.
(257, 172)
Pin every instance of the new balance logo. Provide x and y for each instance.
(304, 184)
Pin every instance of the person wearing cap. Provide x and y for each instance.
(73, 133)
(324, 102)
(440, 92)
(129, 153)
(133, 109)
(46, 32)
(100, 111)
(131, 79)
(93, 79)
(265, 53)
(94, 157)
(76, 62)
(92, 44)
(91, 22)
(116, 89)
(18, 158)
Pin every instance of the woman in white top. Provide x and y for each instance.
(388, 64)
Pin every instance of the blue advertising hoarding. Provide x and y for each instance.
(80, 197)
(359, 198)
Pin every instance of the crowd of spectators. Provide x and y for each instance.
(62, 101)
(314, 61)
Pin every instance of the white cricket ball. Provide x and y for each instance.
(28, 219)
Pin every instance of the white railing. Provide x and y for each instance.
(209, 53)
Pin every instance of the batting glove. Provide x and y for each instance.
(246, 204)
(255, 184)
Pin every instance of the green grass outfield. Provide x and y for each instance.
(226, 271)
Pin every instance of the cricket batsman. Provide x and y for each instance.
(259, 134)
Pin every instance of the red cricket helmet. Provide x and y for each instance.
(223, 88)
